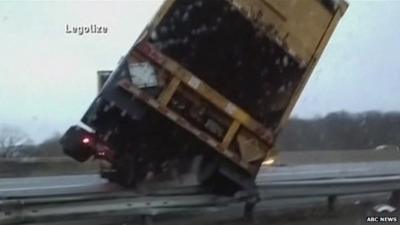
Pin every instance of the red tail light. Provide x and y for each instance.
(86, 140)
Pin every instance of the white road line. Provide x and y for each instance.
(43, 188)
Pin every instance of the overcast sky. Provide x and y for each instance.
(48, 77)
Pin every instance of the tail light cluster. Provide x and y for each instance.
(81, 144)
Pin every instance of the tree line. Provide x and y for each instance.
(341, 130)
(14, 142)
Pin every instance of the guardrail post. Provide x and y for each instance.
(147, 220)
(252, 199)
(249, 211)
(331, 202)
(395, 198)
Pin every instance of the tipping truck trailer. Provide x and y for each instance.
(205, 90)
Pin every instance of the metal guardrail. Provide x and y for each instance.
(36, 160)
(18, 211)
(55, 208)
(328, 187)
(330, 171)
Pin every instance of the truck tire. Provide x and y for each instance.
(207, 169)
(126, 173)
(204, 168)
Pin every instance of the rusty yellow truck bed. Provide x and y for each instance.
(211, 78)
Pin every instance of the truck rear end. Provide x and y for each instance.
(205, 89)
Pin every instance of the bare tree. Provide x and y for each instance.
(10, 138)
(50, 147)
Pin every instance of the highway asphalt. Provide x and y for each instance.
(54, 185)
(294, 211)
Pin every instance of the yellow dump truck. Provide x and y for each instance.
(206, 88)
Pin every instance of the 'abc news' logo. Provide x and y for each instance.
(376, 219)
(385, 209)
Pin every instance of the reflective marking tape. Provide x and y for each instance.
(182, 121)
(135, 91)
(230, 108)
(292, 52)
(229, 154)
(244, 164)
(196, 132)
(203, 136)
(153, 102)
(212, 143)
(194, 83)
(172, 115)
